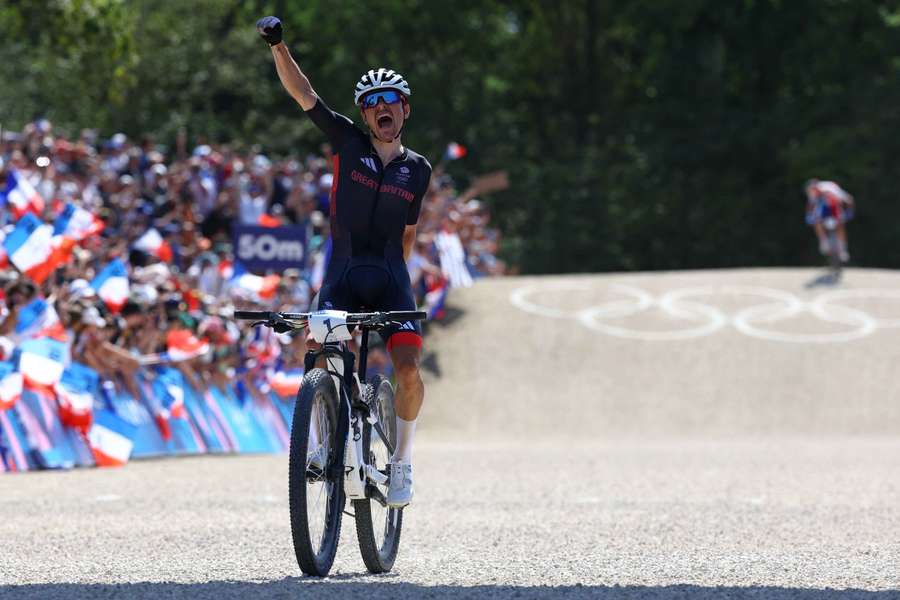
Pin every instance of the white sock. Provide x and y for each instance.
(406, 431)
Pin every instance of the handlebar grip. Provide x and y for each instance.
(252, 315)
(394, 315)
(410, 315)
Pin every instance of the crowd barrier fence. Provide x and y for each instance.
(84, 422)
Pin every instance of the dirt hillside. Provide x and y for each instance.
(712, 353)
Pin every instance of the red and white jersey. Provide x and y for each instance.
(831, 192)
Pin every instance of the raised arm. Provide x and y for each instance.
(292, 78)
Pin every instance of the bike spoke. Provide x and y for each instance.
(319, 489)
(381, 454)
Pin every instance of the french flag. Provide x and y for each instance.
(285, 384)
(174, 401)
(41, 362)
(75, 396)
(264, 346)
(21, 196)
(153, 243)
(75, 407)
(435, 298)
(258, 287)
(455, 151)
(183, 345)
(4, 257)
(77, 223)
(34, 250)
(226, 269)
(111, 439)
(172, 407)
(111, 285)
(10, 385)
(38, 319)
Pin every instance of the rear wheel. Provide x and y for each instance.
(378, 526)
(834, 253)
(316, 499)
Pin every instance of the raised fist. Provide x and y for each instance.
(270, 29)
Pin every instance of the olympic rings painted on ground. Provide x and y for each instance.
(758, 321)
(689, 311)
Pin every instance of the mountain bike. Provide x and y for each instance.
(342, 437)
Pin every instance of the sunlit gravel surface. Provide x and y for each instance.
(553, 461)
(776, 518)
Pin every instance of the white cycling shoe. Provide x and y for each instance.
(399, 485)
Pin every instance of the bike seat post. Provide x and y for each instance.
(363, 354)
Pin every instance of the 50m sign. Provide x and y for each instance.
(262, 249)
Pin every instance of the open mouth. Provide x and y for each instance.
(385, 121)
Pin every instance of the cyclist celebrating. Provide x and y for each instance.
(824, 200)
(375, 200)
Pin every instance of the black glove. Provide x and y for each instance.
(270, 29)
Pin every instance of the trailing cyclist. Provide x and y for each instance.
(827, 200)
(375, 200)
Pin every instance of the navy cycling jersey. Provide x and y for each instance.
(371, 203)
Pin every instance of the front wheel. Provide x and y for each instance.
(378, 526)
(316, 498)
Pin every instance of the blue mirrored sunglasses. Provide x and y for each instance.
(388, 96)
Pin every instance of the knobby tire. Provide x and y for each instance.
(315, 556)
(379, 541)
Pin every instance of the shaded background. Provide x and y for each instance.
(637, 135)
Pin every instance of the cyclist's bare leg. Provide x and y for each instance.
(842, 234)
(408, 398)
(410, 389)
(820, 235)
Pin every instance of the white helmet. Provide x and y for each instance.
(382, 79)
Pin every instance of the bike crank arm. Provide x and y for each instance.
(375, 476)
(375, 494)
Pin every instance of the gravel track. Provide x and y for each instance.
(653, 470)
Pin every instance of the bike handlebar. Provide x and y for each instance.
(370, 318)
(252, 315)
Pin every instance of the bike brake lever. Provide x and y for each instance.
(280, 325)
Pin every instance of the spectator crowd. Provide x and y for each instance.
(141, 268)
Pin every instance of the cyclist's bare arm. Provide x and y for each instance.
(292, 78)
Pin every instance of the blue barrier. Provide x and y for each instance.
(14, 450)
(166, 417)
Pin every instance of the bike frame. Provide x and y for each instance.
(350, 462)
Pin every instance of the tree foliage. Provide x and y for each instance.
(638, 134)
